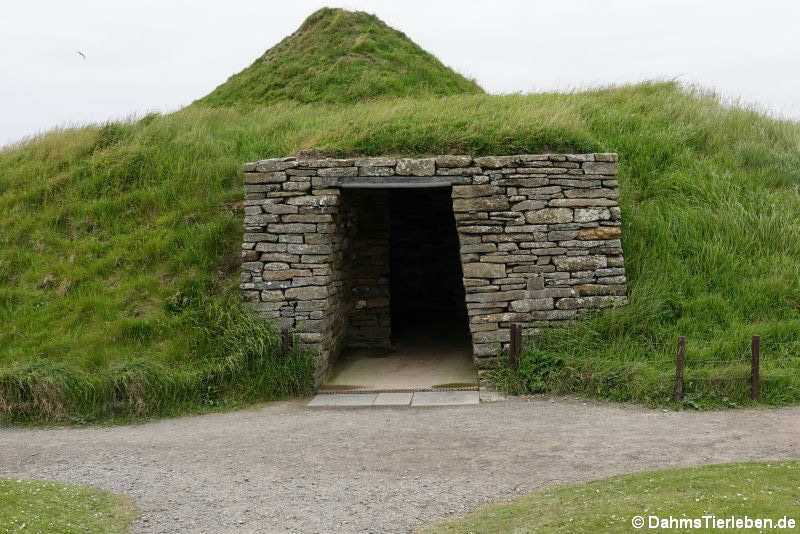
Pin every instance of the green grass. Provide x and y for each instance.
(49, 507)
(757, 490)
(119, 243)
(340, 56)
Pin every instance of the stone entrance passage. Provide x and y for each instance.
(408, 328)
(360, 253)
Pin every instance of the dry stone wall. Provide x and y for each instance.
(539, 238)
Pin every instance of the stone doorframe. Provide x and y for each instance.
(539, 237)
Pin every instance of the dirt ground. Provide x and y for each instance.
(285, 467)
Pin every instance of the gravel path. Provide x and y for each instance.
(288, 468)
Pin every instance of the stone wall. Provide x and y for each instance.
(368, 271)
(539, 238)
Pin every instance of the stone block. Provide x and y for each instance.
(291, 228)
(272, 165)
(272, 296)
(527, 305)
(607, 156)
(277, 208)
(583, 215)
(375, 162)
(484, 270)
(549, 216)
(453, 161)
(416, 167)
(480, 203)
(469, 191)
(603, 232)
(579, 263)
(339, 171)
(264, 177)
(307, 293)
(375, 171)
(581, 202)
(253, 266)
(528, 205)
(498, 296)
(599, 167)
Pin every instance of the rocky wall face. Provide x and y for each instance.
(539, 238)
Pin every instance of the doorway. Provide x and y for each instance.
(407, 242)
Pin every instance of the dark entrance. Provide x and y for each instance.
(407, 326)
(427, 291)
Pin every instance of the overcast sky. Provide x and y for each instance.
(148, 55)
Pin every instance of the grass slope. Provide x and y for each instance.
(755, 490)
(37, 506)
(118, 258)
(119, 243)
(340, 56)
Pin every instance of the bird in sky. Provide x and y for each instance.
(81, 54)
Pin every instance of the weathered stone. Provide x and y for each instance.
(480, 203)
(476, 229)
(272, 296)
(264, 177)
(589, 302)
(375, 171)
(484, 270)
(496, 296)
(495, 162)
(296, 186)
(608, 156)
(291, 228)
(527, 205)
(469, 191)
(272, 165)
(260, 220)
(597, 167)
(526, 305)
(339, 171)
(309, 249)
(581, 202)
(603, 232)
(307, 293)
(416, 167)
(583, 215)
(453, 161)
(549, 216)
(579, 263)
(603, 192)
(375, 162)
(479, 247)
(278, 208)
(254, 266)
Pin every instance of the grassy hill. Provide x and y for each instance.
(340, 56)
(119, 244)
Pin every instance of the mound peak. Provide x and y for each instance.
(340, 56)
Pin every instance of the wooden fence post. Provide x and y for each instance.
(755, 350)
(680, 359)
(515, 346)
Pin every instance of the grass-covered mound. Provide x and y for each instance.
(619, 504)
(340, 56)
(119, 244)
(39, 506)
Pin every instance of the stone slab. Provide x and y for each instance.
(343, 399)
(393, 399)
(445, 398)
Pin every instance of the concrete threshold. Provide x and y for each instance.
(418, 398)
